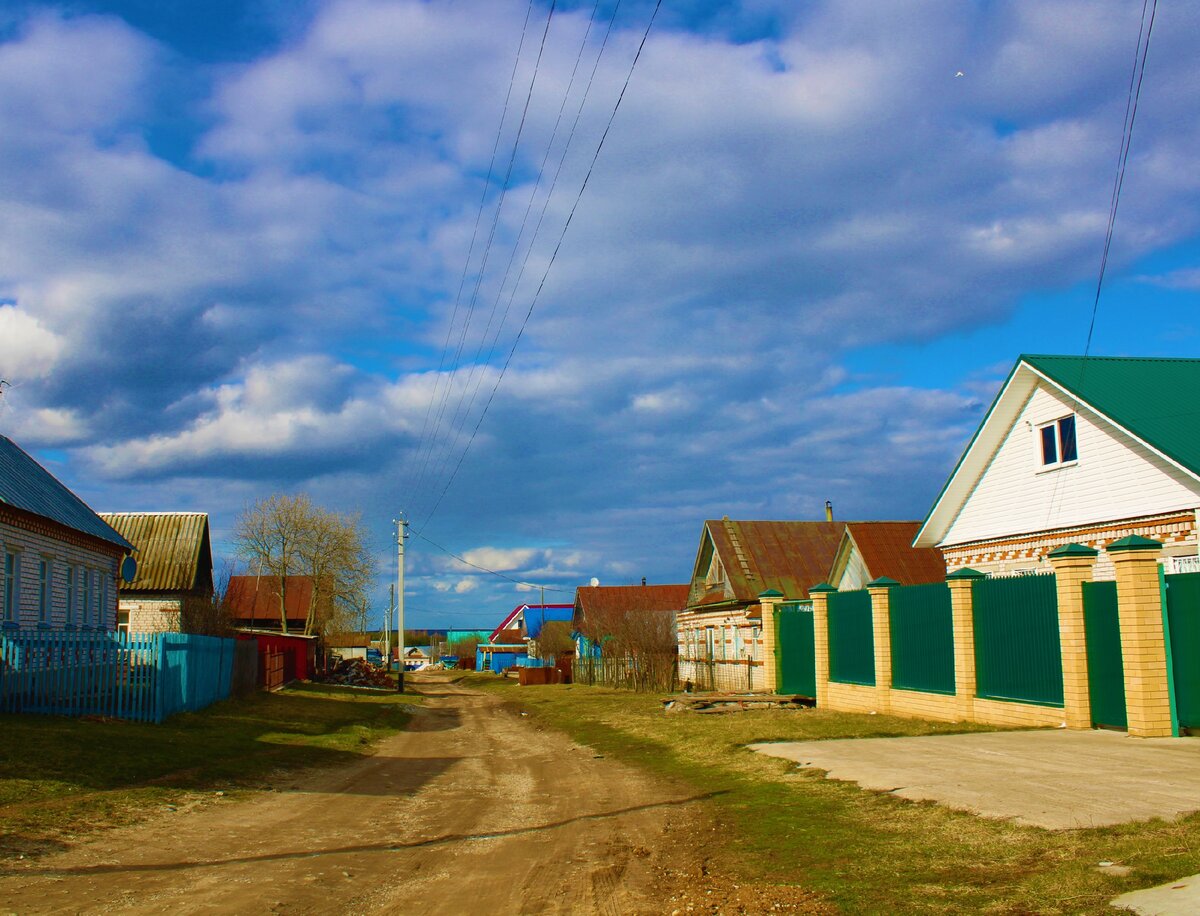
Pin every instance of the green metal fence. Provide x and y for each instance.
(1017, 654)
(922, 636)
(1183, 617)
(1105, 663)
(851, 638)
(795, 652)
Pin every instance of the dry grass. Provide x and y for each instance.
(866, 852)
(62, 778)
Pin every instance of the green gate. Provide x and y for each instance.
(922, 634)
(851, 638)
(1106, 671)
(795, 650)
(1183, 617)
(1017, 653)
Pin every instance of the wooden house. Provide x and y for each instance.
(174, 578)
(874, 550)
(1076, 451)
(720, 630)
(59, 561)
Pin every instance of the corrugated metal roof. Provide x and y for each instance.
(1155, 399)
(26, 485)
(789, 557)
(173, 552)
(603, 601)
(886, 549)
(257, 598)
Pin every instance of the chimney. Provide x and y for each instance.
(643, 580)
(828, 511)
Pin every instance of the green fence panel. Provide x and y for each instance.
(795, 650)
(922, 632)
(851, 638)
(1017, 651)
(1183, 616)
(1106, 667)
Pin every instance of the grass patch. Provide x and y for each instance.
(866, 852)
(61, 778)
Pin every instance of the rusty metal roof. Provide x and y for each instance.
(789, 557)
(26, 485)
(257, 598)
(886, 549)
(609, 600)
(173, 550)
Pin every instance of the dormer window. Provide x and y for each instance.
(1057, 442)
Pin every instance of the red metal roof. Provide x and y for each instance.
(787, 557)
(257, 598)
(609, 600)
(886, 549)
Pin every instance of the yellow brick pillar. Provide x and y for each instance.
(881, 626)
(1073, 565)
(820, 599)
(962, 613)
(1143, 647)
(768, 601)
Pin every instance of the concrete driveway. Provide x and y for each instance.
(1056, 779)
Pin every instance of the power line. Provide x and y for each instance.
(462, 282)
(545, 274)
(462, 337)
(485, 569)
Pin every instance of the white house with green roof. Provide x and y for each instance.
(59, 561)
(1076, 450)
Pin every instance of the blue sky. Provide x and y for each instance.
(238, 235)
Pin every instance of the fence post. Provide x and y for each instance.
(1073, 565)
(962, 613)
(769, 602)
(820, 599)
(881, 626)
(1143, 642)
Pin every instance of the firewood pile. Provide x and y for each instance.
(357, 672)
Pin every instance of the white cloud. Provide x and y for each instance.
(28, 350)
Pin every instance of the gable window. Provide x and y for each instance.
(10, 587)
(1057, 442)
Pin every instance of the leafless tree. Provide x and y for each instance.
(554, 639)
(637, 649)
(210, 616)
(286, 536)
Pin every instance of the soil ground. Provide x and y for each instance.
(471, 809)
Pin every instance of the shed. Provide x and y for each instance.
(298, 654)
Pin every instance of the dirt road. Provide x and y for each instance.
(470, 810)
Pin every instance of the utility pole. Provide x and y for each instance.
(387, 628)
(401, 535)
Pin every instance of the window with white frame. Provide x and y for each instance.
(43, 589)
(85, 603)
(12, 585)
(1057, 444)
(69, 609)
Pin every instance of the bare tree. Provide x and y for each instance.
(210, 616)
(554, 639)
(286, 536)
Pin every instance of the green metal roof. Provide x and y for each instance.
(26, 485)
(1155, 399)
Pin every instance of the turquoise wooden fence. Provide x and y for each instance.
(120, 675)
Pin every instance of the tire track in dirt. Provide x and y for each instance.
(471, 808)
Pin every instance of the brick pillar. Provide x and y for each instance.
(1143, 647)
(1073, 565)
(962, 613)
(881, 626)
(820, 599)
(767, 601)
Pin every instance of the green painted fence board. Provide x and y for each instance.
(922, 634)
(795, 650)
(1183, 616)
(1017, 651)
(851, 638)
(1106, 668)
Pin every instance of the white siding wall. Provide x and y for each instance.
(1115, 478)
(855, 575)
(29, 548)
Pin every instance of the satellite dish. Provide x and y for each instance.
(128, 569)
(594, 582)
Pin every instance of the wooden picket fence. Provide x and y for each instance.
(144, 677)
